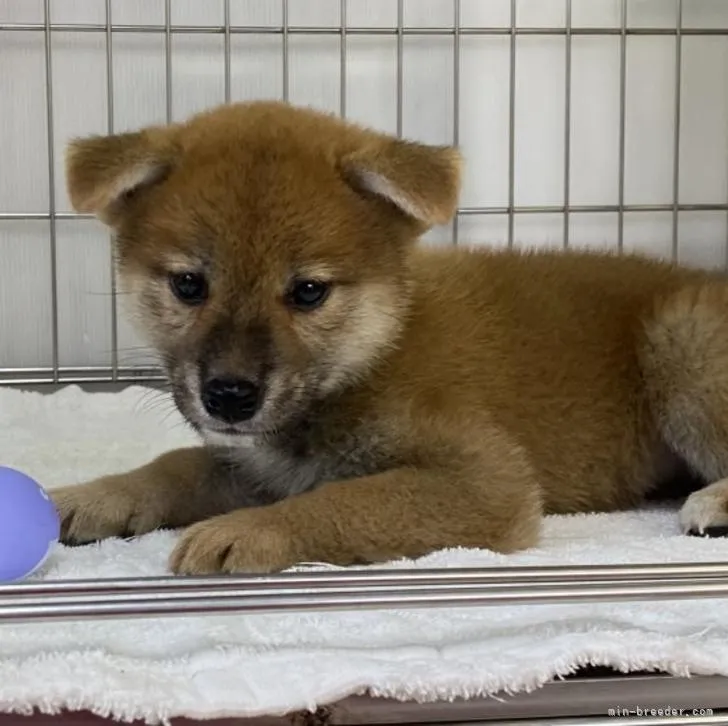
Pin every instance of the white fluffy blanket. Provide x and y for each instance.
(219, 666)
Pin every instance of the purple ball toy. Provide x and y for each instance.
(29, 525)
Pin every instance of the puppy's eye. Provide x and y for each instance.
(308, 294)
(189, 287)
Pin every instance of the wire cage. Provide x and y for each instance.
(583, 123)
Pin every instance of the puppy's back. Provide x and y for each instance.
(545, 344)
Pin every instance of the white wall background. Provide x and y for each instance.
(80, 107)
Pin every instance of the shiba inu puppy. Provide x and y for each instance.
(361, 398)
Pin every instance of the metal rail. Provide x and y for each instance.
(358, 590)
(350, 30)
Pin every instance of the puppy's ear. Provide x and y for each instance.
(104, 171)
(422, 181)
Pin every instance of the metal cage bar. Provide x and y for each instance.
(52, 227)
(359, 590)
(286, 29)
(676, 131)
(227, 54)
(342, 59)
(110, 129)
(168, 59)
(567, 122)
(464, 211)
(512, 127)
(622, 122)
(456, 99)
(400, 64)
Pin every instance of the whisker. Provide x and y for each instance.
(154, 399)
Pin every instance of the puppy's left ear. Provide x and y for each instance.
(103, 171)
(422, 181)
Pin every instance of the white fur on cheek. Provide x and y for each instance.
(131, 289)
(372, 327)
(169, 314)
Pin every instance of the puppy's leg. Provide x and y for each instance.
(685, 362)
(487, 500)
(176, 489)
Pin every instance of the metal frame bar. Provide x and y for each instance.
(227, 52)
(167, 59)
(567, 121)
(574, 700)
(512, 125)
(286, 29)
(350, 589)
(400, 31)
(456, 99)
(52, 231)
(342, 58)
(462, 211)
(676, 131)
(622, 123)
(110, 129)
(285, 50)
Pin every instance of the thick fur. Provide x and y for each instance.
(438, 398)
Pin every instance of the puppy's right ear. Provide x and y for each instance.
(421, 180)
(102, 172)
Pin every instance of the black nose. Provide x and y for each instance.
(230, 399)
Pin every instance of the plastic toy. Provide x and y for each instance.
(29, 525)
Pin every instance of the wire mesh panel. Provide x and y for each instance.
(583, 123)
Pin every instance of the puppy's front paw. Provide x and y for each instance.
(103, 508)
(245, 541)
(705, 512)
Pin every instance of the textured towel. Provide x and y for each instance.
(268, 664)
